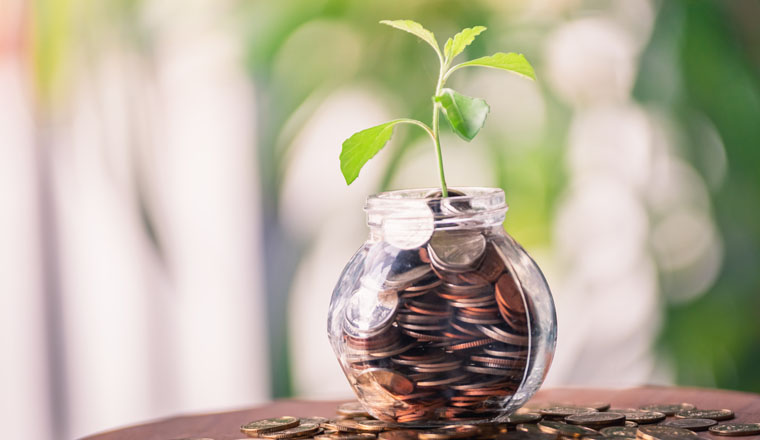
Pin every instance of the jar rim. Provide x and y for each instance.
(408, 203)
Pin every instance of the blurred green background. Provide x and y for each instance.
(630, 167)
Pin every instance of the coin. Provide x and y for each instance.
(640, 416)
(388, 379)
(302, 430)
(370, 425)
(560, 412)
(441, 381)
(715, 414)
(563, 429)
(736, 429)
(692, 424)
(596, 419)
(456, 251)
(313, 419)
(449, 432)
(658, 432)
(407, 278)
(524, 417)
(669, 409)
(369, 312)
(599, 406)
(410, 229)
(619, 431)
(269, 425)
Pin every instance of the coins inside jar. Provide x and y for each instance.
(444, 336)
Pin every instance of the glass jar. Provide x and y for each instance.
(441, 316)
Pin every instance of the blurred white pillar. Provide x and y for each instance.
(24, 363)
(155, 331)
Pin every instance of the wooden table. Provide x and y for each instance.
(225, 426)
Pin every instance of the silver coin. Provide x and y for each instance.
(403, 280)
(456, 251)
(411, 228)
(369, 312)
(715, 414)
(736, 429)
(691, 424)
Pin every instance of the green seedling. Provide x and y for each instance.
(466, 115)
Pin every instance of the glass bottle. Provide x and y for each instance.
(441, 316)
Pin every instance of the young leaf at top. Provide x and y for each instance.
(513, 62)
(461, 40)
(415, 28)
(466, 115)
(361, 147)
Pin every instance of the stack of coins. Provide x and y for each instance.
(544, 422)
(437, 332)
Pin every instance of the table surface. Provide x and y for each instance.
(226, 425)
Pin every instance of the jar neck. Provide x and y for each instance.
(420, 210)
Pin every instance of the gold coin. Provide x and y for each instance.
(669, 409)
(302, 430)
(715, 414)
(375, 425)
(269, 425)
(596, 419)
(658, 432)
(363, 425)
(330, 425)
(736, 429)
(692, 424)
(449, 432)
(313, 419)
(563, 429)
(352, 409)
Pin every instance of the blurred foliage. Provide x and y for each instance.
(713, 340)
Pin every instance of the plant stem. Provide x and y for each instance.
(436, 139)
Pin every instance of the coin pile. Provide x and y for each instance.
(544, 422)
(437, 332)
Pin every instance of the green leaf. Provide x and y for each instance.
(414, 28)
(363, 146)
(461, 40)
(466, 115)
(513, 62)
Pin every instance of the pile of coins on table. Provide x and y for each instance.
(439, 331)
(594, 421)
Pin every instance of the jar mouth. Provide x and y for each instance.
(473, 203)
